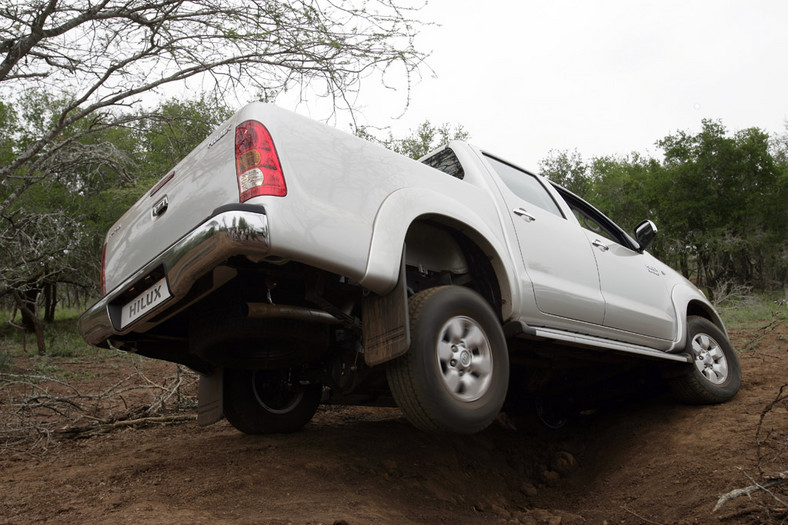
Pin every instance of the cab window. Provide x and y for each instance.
(593, 220)
(524, 185)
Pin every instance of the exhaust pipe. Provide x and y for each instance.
(273, 311)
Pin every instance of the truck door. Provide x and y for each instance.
(636, 295)
(556, 254)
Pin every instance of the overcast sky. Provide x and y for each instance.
(602, 77)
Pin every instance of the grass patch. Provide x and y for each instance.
(63, 340)
(61, 337)
(6, 361)
(47, 368)
(753, 311)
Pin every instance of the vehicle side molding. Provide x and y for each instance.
(599, 343)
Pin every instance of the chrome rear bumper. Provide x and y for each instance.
(233, 230)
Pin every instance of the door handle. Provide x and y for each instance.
(160, 207)
(599, 244)
(520, 212)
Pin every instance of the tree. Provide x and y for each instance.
(100, 56)
(725, 201)
(424, 139)
(779, 150)
(567, 169)
(603, 181)
(175, 129)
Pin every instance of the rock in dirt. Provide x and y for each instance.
(528, 489)
(564, 463)
(551, 477)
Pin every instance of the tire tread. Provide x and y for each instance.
(400, 372)
(406, 383)
(245, 414)
(689, 386)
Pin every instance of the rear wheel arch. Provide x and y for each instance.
(463, 252)
(451, 252)
(478, 223)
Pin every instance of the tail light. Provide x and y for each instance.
(103, 268)
(257, 163)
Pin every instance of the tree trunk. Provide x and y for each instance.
(784, 280)
(30, 319)
(26, 301)
(50, 301)
(684, 264)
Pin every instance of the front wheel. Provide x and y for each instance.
(456, 372)
(715, 375)
(265, 402)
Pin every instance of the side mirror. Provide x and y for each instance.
(645, 233)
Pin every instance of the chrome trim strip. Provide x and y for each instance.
(598, 342)
(226, 234)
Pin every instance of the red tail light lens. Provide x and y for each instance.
(257, 163)
(103, 268)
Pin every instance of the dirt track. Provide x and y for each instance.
(643, 462)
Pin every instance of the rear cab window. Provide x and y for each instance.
(447, 162)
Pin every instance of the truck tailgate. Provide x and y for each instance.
(182, 199)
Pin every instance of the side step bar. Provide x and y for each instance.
(522, 331)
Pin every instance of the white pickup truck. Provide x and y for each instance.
(291, 263)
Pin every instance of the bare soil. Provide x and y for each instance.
(640, 461)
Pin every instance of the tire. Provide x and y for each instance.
(455, 374)
(715, 375)
(266, 402)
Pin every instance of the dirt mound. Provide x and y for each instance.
(639, 461)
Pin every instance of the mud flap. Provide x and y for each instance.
(211, 398)
(386, 325)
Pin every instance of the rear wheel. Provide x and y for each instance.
(715, 375)
(455, 375)
(265, 401)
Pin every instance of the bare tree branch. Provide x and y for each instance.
(781, 477)
(42, 408)
(773, 442)
(104, 56)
